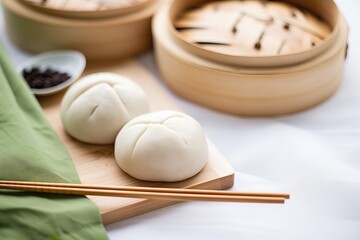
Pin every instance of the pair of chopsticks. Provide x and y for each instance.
(173, 194)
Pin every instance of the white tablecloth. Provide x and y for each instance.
(314, 155)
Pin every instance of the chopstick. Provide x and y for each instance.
(145, 192)
(148, 189)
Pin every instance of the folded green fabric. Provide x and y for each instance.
(30, 150)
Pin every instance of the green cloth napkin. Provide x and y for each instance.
(30, 150)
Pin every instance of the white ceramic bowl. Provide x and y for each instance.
(66, 61)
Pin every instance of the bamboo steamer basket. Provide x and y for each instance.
(102, 35)
(251, 85)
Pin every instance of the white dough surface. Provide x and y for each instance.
(96, 107)
(163, 146)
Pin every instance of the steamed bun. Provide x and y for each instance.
(161, 146)
(95, 108)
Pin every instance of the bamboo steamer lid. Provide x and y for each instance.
(259, 84)
(101, 37)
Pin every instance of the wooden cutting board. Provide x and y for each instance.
(96, 163)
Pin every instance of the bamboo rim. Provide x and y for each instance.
(332, 17)
(21, 9)
(103, 13)
(163, 35)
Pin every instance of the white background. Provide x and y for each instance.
(314, 155)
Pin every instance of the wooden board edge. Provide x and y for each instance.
(147, 205)
(221, 166)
